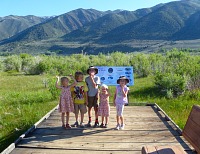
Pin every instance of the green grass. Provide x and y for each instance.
(24, 100)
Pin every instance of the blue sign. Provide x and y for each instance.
(110, 74)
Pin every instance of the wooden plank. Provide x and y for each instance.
(65, 151)
(64, 144)
(144, 126)
(102, 132)
(112, 124)
(106, 139)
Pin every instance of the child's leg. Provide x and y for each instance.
(90, 113)
(122, 119)
(106, 120)
(63, 119)
(82, 117)
(67, 117)
(96, 113)
(67, 120)
(83, 110)
(117, 117)
(102, 119)
(76, 117)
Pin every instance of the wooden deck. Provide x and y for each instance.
(145, 125)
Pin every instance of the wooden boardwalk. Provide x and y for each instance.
(145, 125)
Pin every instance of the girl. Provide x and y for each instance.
(66, 103)
(104, 107)
(120, 98)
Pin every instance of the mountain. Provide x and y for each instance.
(57, 26)
(161, 24)
(164, 26)
(11, 25)
(108, 22)
(191, 30)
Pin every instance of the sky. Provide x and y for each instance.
(58, 7)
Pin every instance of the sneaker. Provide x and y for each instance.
(82, 125)
(105, 126)
(117, 127)
(96, 124)
(75, 124)
(102, 125)
(89, 124)
(122, 126)
(68, 126)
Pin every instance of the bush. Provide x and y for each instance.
(13, 63)
(171, 84)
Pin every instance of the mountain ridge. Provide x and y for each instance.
(106, 31)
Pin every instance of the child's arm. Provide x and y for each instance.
(93, 82)
(57, 81)
(124, 92)
(74, 83)
(108, 91)
(86, 97)
(98, 92)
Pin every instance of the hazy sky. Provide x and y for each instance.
(57, 7)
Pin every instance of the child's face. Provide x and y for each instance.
(103, 89)
(122, 82)
(92, 71)
(65, 82)
(79, 78)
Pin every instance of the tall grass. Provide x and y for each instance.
(23, 101)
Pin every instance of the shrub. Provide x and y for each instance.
(13, 63)
(171, 83)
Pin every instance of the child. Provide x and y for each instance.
(120, 98)
(66, 103)
(79, 94)
(92, 82)
(104, 107)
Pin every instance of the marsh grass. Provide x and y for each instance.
(23, 101)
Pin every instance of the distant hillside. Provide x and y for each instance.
(164, 26)
(57, 26)
(11, 25)
(161, 24)
(108, 22)
(191, 30)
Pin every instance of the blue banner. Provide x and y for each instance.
(110, 74)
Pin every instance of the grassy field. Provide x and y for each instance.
(25, 99)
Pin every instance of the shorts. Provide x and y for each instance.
(80, 107)
(119, 109)
(92, 101)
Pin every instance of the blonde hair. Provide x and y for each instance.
(104, 85)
